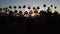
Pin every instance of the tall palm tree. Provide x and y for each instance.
(31, 12)
(6, 9)
(55, 13)
(36, 11)
(0, 9)
(15, 7)
(38, 8)
(15, 12)
(48, 9)
(10, 7)
(11, 12)
(26, 13)
(19, 7)
(51, 6)
(29, 7)
(44, 6)
(20, 13)
(55, 7)
(34, 8)
(24, 6)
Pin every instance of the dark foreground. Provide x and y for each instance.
(28, 25)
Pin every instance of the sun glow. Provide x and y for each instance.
(33, 15)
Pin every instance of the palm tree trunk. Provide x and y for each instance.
(44, 8)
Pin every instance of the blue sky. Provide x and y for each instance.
(6, 3)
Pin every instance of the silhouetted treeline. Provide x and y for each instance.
(28, 22)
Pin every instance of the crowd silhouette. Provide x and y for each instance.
(31, 22)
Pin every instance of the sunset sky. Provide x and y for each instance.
(6, 3)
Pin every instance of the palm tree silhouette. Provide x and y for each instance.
(6, 9)
(19, 7)
(29, 7)
(48, 9)
(55, 13)
(38, 8)
(51, 6)
(31, 12)
(36, 11)
(15, 12)
(10, 12)
(34, 8)
(41, 12)
(10, 7)
(0, 9)
(44, 6)
(24, 6)
(20, 13)
(15, 7)
(26, 13)
(55, 8)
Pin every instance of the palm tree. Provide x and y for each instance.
(36, 11)
(41, 12)
(24, 6)
(6, 9)
(15, 12)
(15, 7)
(20, 13)
(55, 13)
(10, 12)
(0, 9)
(34, 8)
(29, 7)
(38, 8)
(51, 6)
(48, 9)
(31, 12)
(19, 7)
(44, 6)
(55, 7)
(10, 7)
(26, 13)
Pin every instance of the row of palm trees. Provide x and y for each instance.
(8, 9)
(24, 6)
